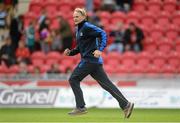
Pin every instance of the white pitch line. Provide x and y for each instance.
(88, 122)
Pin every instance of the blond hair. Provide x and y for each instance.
(82, 11)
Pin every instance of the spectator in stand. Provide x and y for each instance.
(65, 32)
(68, 70)
(30, 36)
(46, 40)
(8, 4)
(44, 23)
(37, 70)
(124, 5)
(42, 17)
(22, 53)
(15, 4)
(56, 41)
(133, 38)
(23, 69)
(95, 19)
(118, 39)
(10, 10)
(11, 5)
(7, 55)
(37, 45)
(109, 5)
(45, 34)
(89, 5)
(4, 33)
(3, 17)
(16, 30)
(54, 69)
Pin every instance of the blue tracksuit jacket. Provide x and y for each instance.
(89, 38)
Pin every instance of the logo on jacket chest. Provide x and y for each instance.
(81, 34)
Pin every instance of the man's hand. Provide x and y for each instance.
(97, 53)
(67, 52)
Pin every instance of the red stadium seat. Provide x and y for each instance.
(52, 16)
(118, 17)
(65, 9)
(154, 6)
(178, 70)
(113, 62)
(165, 45)
(67, 63)
(97, 4)
(44, 68)
(173, 59)
(109, 69)
(28, 17)
(153, 70)
(36, 6)
(65, 6)
(148, 19)
(168, 71)
(163, 19)
(146, 29)
(105, 22)
(128, 59)
(172, 32)
(65, 2)
(79, 3)
(53, 55)
(133, 17)
(14, 69)
(104, 15)
(169, 6)
(140, 5)
(113, 55)
(150, 46)
(178, 46)
(37, 62)
(52, 61)
(176, 18)
(157, 33)
(159, 59)
(38, 55)
(121, 69)
(54, 26)
(138, 69)
(30, 68)
(3, 69)
(67, 58)
(51, 6)
(63, 69)
(144, 59)
(52, 1)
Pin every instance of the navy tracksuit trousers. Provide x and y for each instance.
(97, 72)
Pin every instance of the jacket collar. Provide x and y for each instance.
(81, 24)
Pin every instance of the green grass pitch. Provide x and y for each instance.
(95, 115)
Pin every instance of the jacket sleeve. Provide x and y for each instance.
(94, 31)
(74, 51)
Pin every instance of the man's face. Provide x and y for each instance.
(78, 18)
